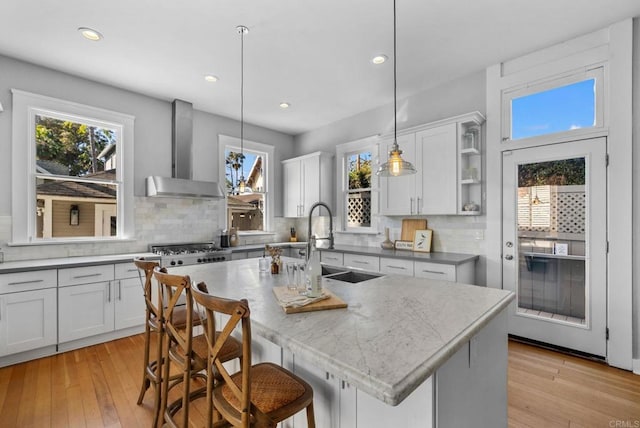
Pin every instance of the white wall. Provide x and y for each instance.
(152, 156)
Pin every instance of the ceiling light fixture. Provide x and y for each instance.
(379, 59)
(90, 34)
(395, 165)
(285, 104)
(242, 30)
(211, 78)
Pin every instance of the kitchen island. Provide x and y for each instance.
(407, 351)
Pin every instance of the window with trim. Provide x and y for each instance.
(248, 210)
(357, 200)
(72, 181)
(569, 104)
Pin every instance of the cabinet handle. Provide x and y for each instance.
(396, 267)
(331, 258)
(33, 281)
(1, 302)
(361, 262)
(326, 375)
(342, 382)
(109, 291)
(433, 271)
(411, 205)
(87, 276)
(418, 205)
(132, 270)
(119, 290)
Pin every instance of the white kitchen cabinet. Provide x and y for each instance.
(307, 179)
(398, 194)
(396, 266)
(130, 308)
(333, 258)
(464, 272)
(361, 261)
(93, 300)
(28, 311)
(433, 189)
(326, 395)
(440, 185)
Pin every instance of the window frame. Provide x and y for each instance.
(343, 151)
(26, 106)
(225, 143)
(534, 87)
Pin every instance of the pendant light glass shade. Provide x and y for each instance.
(395, 165)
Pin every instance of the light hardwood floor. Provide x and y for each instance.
(98, 386)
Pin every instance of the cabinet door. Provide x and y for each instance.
(435, 271)
(326, 395)
(310, 178)
(85, 310)
(360, 261)
(129, 303)
(437, 151)
(398, 194)
(396, 266)
(332, 258)
(27, 321)
(291, 172)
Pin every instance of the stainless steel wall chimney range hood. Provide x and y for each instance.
(180, 184)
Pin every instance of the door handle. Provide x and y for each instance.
(508, 257)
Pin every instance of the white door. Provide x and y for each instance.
(554, 243)
(105, 219)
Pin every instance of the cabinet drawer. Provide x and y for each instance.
(332, 258)
(126, 270)
(255, 253)
(435, 271)
(25, 281)
(396, 266)
(360, 261)
(85, 275)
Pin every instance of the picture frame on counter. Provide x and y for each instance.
(422, 240)
(403, 245)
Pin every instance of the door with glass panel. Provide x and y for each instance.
(554, 243)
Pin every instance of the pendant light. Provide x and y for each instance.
(242, 30)
(395, 165)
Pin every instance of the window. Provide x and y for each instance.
(249, 211)
(75, 181)
(357, 200)
(559, 106)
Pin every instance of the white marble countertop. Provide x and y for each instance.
(395, 333)
(67, 262)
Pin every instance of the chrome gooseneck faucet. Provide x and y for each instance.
(309, 238)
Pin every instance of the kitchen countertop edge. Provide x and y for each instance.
(434, 257)
(70, 262)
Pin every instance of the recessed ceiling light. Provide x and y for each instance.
(285, 104)
(90, 34)
(211, 78)
(379, 59)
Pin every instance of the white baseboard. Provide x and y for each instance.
(636, 366)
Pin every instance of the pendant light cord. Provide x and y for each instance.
(242, 102)
(395, 102)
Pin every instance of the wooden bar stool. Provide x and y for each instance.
(182, 348)
(257, 396)
(153, 323)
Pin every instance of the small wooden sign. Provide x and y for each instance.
(403, 245)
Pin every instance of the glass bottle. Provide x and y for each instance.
(313, 271)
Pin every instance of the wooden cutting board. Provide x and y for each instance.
(409, 227)
(333, 302)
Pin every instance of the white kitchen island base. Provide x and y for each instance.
(469, 390)
(406, 352)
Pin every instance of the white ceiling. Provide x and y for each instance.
(314, 54)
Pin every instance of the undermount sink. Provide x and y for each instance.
(347, 275)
